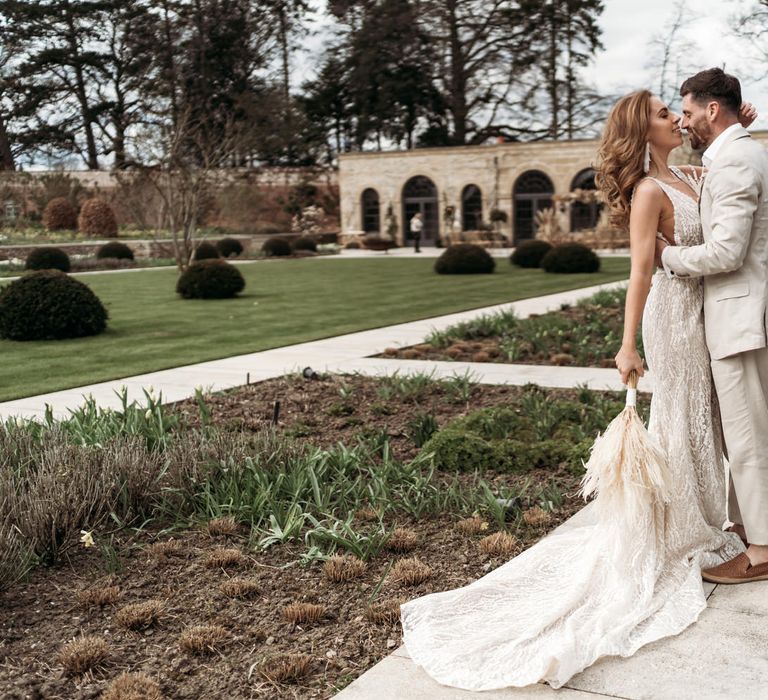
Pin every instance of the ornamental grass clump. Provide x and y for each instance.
(222, 527)
(472, 526)
(99, 596)
(343, 567)
(49, 305)
(133, 686)
(60, 215)
(114, 250)
(411, 572)
(285, 668)
(210, 279)
(224, 558)
(465, 259)
(203, 639)
(97, 219)
(48, 258)
(82, 654)
(140, 616)
(240, 588)
(499, 544)
(402, 540)
(304, 613)
(529, 254)
(384, 613)
(163, 549)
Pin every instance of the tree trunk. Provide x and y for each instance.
(6, 155)
(458, 96)
(554, 105)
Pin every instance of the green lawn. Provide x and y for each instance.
(285, 302)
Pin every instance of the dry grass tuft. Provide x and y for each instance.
(402, 540)
(139, 616)
(411, 572)
(385, 612)
(98, 597)
(224, 557)
(82, 654)
(133, 686)
(286, 667)
(302, 613)
(222, 526)
(498, 544)
(537, 516)
(202, 639)
(163, 549)
(366, 514)
(240, 588)
(344, 567)
(472, 526)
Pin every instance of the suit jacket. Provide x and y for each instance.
(734, 256)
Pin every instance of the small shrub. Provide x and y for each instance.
(229, 247)
(83, 654)
(499, 544)
(223, 558)
(344, 567)
(386, 612)
(139, 616)
(210, 279)
(285, 668)
(133, 686)
(276, 247)
(411, 572)
(115, 250)
(465, 259)
(305, 243)
(98, 597)
(378, 243)
(60, 215)
(97, 219)
(206, 251)
(530, 253)
(48, 258)
(570, 258)
(302, 613)
(402, 540)
(240, 588)
(352, 245)
(202, 639)
(48, 305)
(458, 450)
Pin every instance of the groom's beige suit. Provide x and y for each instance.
(733, 260)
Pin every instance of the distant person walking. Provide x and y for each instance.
(417, 226)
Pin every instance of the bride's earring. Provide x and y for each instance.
(647, 157)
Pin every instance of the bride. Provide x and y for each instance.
(609, 585)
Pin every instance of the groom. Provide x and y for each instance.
(734, 263)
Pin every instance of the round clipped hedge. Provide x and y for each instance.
(210, 279)
(305, 243)
(571, 258)
(530, 253)
(276, 247)
(206, 251)
(47, 258)
(229, 247)
(49, 305)
(97, 219)
(114, 250)
(465, 259)
(60, 215)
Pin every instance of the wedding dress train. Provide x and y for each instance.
(603, 586)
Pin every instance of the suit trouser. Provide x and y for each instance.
(741, 382)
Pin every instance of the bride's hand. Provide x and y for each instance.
(747, 114)
(627, 360)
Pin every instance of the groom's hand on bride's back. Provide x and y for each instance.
(747, 114)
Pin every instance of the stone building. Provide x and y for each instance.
(457, 188)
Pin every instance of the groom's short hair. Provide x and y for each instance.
(714, 84)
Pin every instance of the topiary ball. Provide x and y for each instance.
(530, 253)
(571, 258)
(97, 219)
(47, 258)
(229, 247)
(48, 305)
(60, 215)
(465, 259)
(210, 279)
(206, 251)
(458, 450)
(114, 250)
(276, 247)
(305, 243)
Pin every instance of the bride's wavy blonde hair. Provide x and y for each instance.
(621, 154)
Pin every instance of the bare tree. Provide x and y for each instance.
(752, 25)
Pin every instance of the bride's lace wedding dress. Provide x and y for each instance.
(603, 586)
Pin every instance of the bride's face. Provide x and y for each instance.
(664, 130)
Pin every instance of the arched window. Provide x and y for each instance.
(532, 192)
(471, 208)
(369, 207)
(585, 215)
(420, 195)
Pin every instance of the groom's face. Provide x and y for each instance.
(696, 122)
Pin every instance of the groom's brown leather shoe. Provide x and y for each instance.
(737, 570)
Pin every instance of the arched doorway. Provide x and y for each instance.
(420, 195)
(532, 192)
(369, 208)
(471, 208)
(584, 215)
